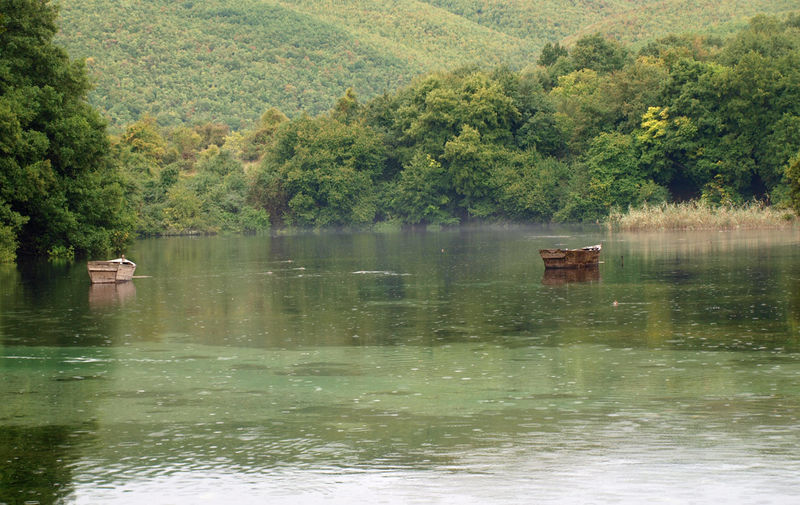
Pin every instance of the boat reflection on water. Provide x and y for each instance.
(108, 295)
(557, 276)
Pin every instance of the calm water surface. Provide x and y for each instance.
(403, 368)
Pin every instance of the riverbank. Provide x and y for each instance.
(699, 216)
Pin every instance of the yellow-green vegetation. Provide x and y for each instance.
(181, 181)
(639, 21)
(697, 215)
(225, 61)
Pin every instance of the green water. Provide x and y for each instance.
(441, 367)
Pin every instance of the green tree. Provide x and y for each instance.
(187, 143)
(144, 137)
(598, 53)
(254, 144)
(634, 89)
(469, 169)
(212, 200)
(421, 193)
(609, 176)
(551, 52)
(529, 187)
(669, 148)
(740, 113)
(324, 169)
(793, 176)
(672, 48)
(347, 108)
(535, 127)
(435, 110)
(58, 190)
(583, 108)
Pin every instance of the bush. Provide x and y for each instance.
(253, 220)
(59, 253)
(8, 244)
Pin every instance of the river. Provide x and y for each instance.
(397, 368)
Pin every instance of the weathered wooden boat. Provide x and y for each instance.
(118, 270)
(585, 257)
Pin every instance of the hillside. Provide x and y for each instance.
(228, 61)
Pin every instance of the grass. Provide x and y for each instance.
(700, 216)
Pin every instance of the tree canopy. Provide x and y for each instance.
(596, 126)
(57, 193)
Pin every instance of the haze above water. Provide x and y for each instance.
(441, 367)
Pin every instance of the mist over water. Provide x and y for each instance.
(443, 367)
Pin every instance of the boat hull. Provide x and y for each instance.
(570, 258)
(104, 272)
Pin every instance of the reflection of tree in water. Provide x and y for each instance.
(36, 463)
(55, 305)
(47, 314)
(793, 313)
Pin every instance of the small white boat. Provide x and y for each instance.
(118, 270)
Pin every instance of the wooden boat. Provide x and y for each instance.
(118, 270)
(586, 257)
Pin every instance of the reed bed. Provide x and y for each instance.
(700, 216)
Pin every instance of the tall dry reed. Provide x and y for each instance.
(700, 216)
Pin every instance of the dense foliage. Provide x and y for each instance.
(187, 62)
(58, 194)
(595, 126)
(181, 182)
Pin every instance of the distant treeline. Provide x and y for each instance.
(589, 129)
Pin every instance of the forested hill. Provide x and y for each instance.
(229, 60)
(588, 129)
